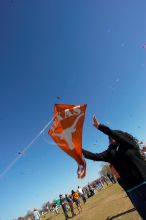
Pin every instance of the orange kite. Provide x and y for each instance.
(66, 131)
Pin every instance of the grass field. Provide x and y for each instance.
(111, 203)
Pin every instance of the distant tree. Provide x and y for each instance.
(44, 207)
(29, 215)
(29, 212)
(105, 169)
(48, 205)
(20, 218)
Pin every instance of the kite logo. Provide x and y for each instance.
(67, 113)
(67, 133)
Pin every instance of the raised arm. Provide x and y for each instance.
(112, 133)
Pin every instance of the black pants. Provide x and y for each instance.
(138, 198)
(65, 211)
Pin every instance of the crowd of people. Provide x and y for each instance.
(76, 199)
(72, 204)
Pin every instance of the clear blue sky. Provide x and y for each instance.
(82, 51)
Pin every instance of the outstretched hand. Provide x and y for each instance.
(81, 172)
(95, 122)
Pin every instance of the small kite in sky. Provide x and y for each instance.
(144, 46)
(19, 152)
(66, 131)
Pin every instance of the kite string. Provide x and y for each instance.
(9, 167)
(26, 148)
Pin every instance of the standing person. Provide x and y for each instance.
(99, 184)
(104, 180)
(111, 177)
(36, 214)
(81, 194)
(124, 154)
(70, 203)
(75, 197)
(91, 189)
(63, 203)
(86, 191)
(116, 174)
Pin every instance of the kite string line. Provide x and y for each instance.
(37, 136)
(26, 148)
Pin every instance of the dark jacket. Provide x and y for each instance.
(125, 157)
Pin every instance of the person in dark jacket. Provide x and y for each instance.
(124, 154)
(63, 203)
(70, 203)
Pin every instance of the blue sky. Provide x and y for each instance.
(82, 51)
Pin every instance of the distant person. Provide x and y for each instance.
(116, 174)
(63, 203)
(87, 192)
(124, 154)
(99, 184)
(91, 189)
(75, 197)
(143, 152)
(81, 194)
(71, 205)
(36, 214)
(104, 180)
(111, 177)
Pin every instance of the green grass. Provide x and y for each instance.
(110, 203)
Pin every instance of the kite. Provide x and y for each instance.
(66, 131)
(19, 153)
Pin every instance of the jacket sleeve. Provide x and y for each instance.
(121, 139)
(104, 156)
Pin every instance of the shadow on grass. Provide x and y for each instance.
(120, 214)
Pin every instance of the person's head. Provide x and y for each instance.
(125, 135)
(60, 196)
(72, 192)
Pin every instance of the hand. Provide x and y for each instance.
(95, 122)
(81, 172)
